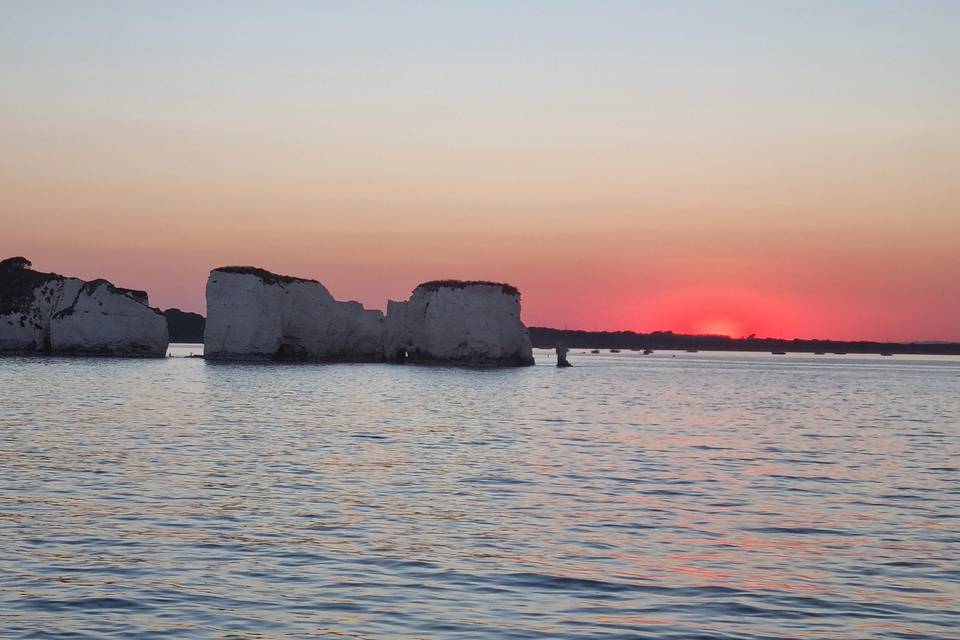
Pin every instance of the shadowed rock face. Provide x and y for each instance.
(52, 314)
(456, 322)
(253, 314)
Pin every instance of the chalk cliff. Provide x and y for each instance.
(253, 314)
(458, 322)
(48, 313)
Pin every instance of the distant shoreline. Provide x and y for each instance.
(547, 338)
(189, 327)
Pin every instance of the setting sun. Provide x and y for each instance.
(717, 325)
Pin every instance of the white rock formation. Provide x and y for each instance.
(456, 322)
(253, 314)
(51, 314)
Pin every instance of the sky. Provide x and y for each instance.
(787, 169)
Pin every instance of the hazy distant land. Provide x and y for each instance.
(188, 327)
(546, 338)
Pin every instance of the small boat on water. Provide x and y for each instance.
(594, 350)
(779, 353)
(839, 353)
(693, 351)
(647, 352)
(614, 350)
(886, 354)
(819, 353)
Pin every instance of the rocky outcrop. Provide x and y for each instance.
(457, 322)
(51, 314)
(562, 352)
(253, 314)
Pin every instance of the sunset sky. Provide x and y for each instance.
(781, 168)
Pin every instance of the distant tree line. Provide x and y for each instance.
(188, 327)
(546, 338)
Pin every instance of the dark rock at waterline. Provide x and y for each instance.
(562, 361)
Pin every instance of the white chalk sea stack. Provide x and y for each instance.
(46, 313)
(253, 314)
(459, 322)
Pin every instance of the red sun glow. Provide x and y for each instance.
(728, 311)
(718, 325)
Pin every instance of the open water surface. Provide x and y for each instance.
(697, 496)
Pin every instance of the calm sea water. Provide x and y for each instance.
(697, 496)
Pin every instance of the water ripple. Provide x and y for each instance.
(704, 496)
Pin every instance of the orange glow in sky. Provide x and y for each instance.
(789, 172)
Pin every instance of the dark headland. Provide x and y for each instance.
(184, 326)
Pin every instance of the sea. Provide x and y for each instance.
(672, 495)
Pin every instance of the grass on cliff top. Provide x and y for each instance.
(137, 294)
(433, 285)
(18, 282)
(267, 276)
